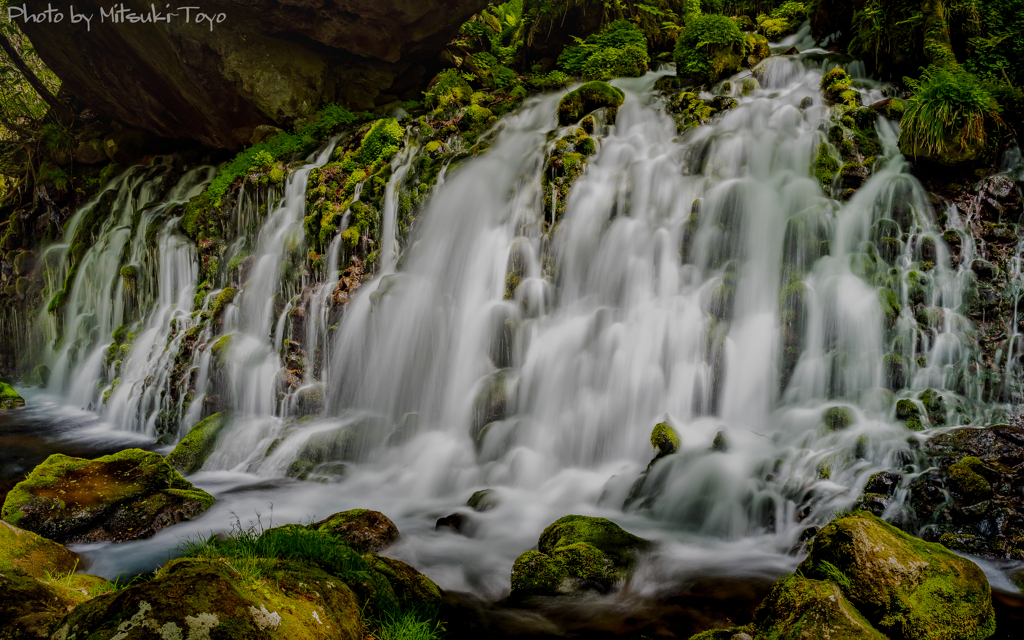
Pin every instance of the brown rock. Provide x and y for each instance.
(365, 530)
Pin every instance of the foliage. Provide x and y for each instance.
(449, 89)
(946, 115)
(709, 48)
(782, 21)
(620, 49)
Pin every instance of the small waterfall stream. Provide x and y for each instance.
(706, 280)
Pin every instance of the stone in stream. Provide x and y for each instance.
(576, 553)
(125, 496)
(196, 447)
(365, 530)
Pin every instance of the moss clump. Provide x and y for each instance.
(689, 110)
(618, 544)
(797, 607)
(909, 413)
(834, 84)
(536, 573)
(380, 143)
(755, 49)
(782, 21)
(837, 418)
(196, 447)
(566, 163)
(125, 496)
(905, 587)
(967, 483)
(221, 302)
(588, 98)
(9, 398)
(825, 166)
(449, 89)
(709, 48)
(665, 439)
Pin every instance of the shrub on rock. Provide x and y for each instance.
(125, 496)
(709, 48)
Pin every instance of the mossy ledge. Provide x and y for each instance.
(196, 447)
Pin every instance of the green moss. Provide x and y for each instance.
(782, 21)
(9, 398)
(192, 451)
(909, 413)
(590, 97)
(32, 553)
(834, 83)
(755, 49)
(665, 439)
(619, 545)
(221, 302)
(536, 573)
(380, 143)
(967, 482)
(825, 166)
(709, 48)
(411, 587)
(904, 586)
(837, 418)
(797, 608)
(448, 89)
(618, 50)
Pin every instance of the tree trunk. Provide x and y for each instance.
(59, 110)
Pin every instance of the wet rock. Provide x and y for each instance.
(720, 443)
(125, 496)
(589, 98)
(192, 452)
(409, 585)
(878, 492)
(367, 531)
(483, 500)
(32, 607)
(665, 440)
(576, 553)
(837, 418)
(207, 598)
(35, 555)
(9, 398)
(456, 522)
(792, 51)
(905, 587)
(91, 152)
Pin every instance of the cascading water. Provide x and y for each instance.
(706, 280)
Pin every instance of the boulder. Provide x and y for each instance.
(125, 496)
(367, 531)
(196, 447)
(207, 598)
(576, 553)
(798, 608)
(9, 398)
(33, 554)
(665, 440)
(588, 98)
(267, 62)
(32, 607)
(408, 584)
(905, 587)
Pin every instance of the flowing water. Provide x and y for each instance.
(706, 280)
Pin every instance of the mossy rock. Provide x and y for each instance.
(837, 418)
(125, 496)
(367, 531)
(905, 587)
(617, 543)
(834, 84)
(9, 398)
(32, 553)
(967, 484)
(537, 574)
(201, 598)
(588, 98)
(411, 587)
(909, 413)
(32, 607)
(798, 608)
(665, 439)
(196, 447)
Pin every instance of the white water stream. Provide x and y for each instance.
(661, 295)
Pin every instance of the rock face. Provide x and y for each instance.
(576, 553)
(125, 496)
(268, 62)
(982, 471)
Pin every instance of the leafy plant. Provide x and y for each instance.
(709, 48)
(946, 115)
(620, 49)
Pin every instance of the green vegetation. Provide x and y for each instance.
(9, 398)
(588, 98)
(665, 439)
(967, 482)
(196, 447)
(837, 418)
(709, 48)
(620, 49)
(945, 119)
(782, 20)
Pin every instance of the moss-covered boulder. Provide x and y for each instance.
(125, 496)
(9, 398)
(32, 607)
(576, 553)
(798, 608)
(365, 530)
(196, 447)
(208, 598)
(33, 554)
(409, 585)
(665, 439)
(835, 84)
(837, 418)
(589, 98)
(907, 588)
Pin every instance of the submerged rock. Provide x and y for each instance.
(192, 452)
(125, 496)
(365, 530)
(576, 553)
(904, 586)
(9, 398)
